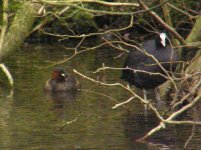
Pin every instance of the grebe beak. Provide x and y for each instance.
(63, 74)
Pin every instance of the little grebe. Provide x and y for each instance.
(61, 81)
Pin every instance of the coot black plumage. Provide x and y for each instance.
(137, 60)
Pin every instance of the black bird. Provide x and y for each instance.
(143, 71)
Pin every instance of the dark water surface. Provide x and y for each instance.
(31, 118)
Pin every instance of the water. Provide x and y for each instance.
(32, 119)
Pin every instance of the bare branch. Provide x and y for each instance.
(169, 28)
(61, 3)
(189, 94)
(122, 103)
(181, 11)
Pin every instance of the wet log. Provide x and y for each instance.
(195, 34)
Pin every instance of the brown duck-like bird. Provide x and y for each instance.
(61, 81)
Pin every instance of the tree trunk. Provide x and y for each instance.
(195, 64)
(19, 29)
(195, 34)
(194, 68)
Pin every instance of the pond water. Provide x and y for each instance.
(32, 119)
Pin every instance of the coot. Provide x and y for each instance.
(143, 71)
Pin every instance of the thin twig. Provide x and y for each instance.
(70, 122)
(122, 103)
(7, 73)
(169, 28)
